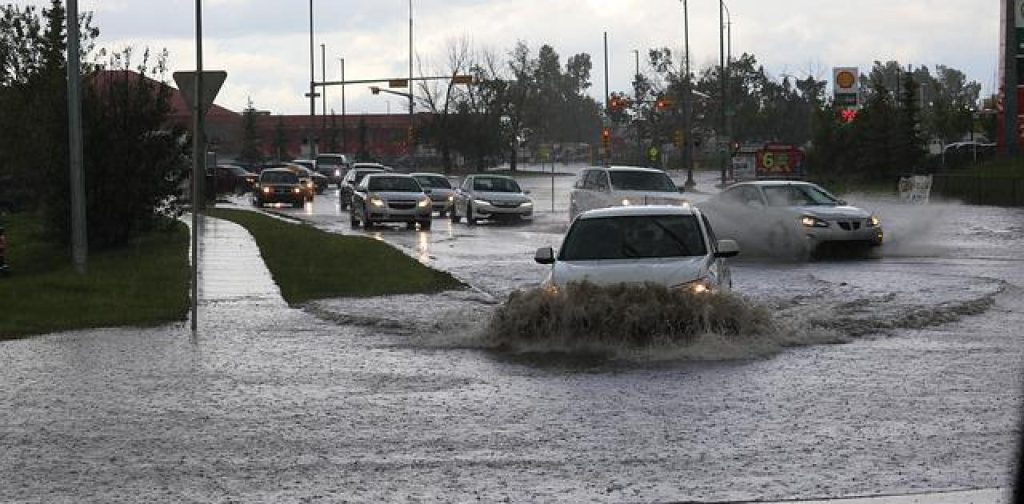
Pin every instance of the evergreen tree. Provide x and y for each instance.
(250, 152)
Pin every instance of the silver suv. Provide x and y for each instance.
(602, 187)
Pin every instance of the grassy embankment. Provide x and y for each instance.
(308, 263)
(143, 284)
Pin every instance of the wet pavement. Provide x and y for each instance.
(403, 399)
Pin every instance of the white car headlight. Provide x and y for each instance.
(337, 173)
(873, 221)
(377, 202)
(699, 286)
(526, 204)
(481, 202)
(809, 221)
(451, 198)
(423, 203)
(626, 202)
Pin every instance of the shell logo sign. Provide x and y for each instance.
(845, 86)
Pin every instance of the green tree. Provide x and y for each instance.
(250, 151)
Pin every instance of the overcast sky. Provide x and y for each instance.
(264, 44)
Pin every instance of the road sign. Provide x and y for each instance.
(462, 79)
(401, 83)
(212, 81)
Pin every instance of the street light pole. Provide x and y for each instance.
(412, 156)
(687, 105)
(636, 96)
(312, 87)
(198, 161)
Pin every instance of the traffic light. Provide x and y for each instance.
(663, 104)
(606, 138)
(617, 103)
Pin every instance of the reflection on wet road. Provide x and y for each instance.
(402, 399)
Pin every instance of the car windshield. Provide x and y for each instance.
(495, 184)
(328, 160)
(277, 177)
(641, 236)
(433, 181)
(642, 181)
(358, 177)
(393, 184)
(798, 195)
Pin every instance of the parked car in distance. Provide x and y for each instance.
(333, 166)
(353, 178)
(234, 179)
(389, 197)
(672, 246)
(440, 190)
(279, 185)
(789, 218)
(490, 197)
(601, 187)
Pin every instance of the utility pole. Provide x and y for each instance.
(79, 237)
(636, 97)
(607, 122)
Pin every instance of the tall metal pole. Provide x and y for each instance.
(636, 96)
(79, 237)
(722, 77)
(1010, 62)
(412, 157)
(312, 87)
(728, 63)
(343, 129)
(688, 105)
(323, 91)
(198, 162)
(607, 151)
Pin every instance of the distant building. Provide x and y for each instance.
(379, 136)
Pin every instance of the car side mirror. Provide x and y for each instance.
(526, 191)
(545, 255)
(841, 202)
(727, 248)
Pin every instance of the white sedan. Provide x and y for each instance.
(789, 218)
(490, 197)
(666, 245)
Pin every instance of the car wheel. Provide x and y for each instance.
(469, 214)
(367, 223)
(425, 225)
(352, 220)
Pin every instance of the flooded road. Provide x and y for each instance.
(894, 375)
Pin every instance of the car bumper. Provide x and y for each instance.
(497, 212)
(869, 235)
(387, 214)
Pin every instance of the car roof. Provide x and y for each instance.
(387, 174)
(488, 175)
(427, 174)
(632, 169)
(628, 211)
(278, 170)
(775, 182)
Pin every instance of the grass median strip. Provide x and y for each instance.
(143, 284)
(308, 263)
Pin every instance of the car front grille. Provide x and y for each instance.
(849, 225)
(401, 205)
(506, 205)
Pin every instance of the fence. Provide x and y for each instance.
(980, 190)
